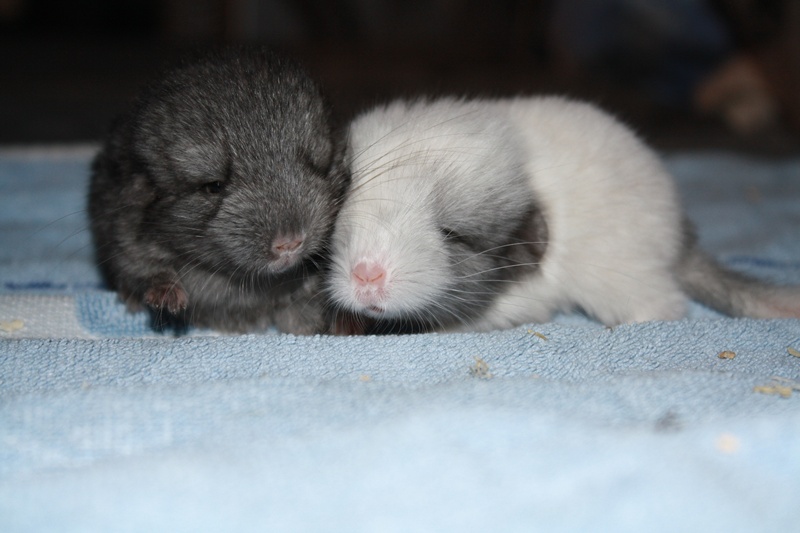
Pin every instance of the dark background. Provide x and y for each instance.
(707, 74)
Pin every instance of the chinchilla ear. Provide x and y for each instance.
(529, 241)
(141, 189)
(199, 160)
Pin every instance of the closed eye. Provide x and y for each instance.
(452, 235)
(212, 187)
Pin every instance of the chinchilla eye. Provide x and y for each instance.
(212, 187)
(452, 235)
(446, 232)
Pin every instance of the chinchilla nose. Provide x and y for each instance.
(287, 244)
(369, 275)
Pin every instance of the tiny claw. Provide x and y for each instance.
(169, 296)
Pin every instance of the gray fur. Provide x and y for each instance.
(733, 293)
(214, 161)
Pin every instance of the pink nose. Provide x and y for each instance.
(286, 245)
(369, 274)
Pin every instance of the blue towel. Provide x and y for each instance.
(106, 425)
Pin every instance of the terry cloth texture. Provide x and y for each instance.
(106, 425)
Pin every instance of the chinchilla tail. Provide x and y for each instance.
(733, 293)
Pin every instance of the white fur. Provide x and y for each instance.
(611, 208)
(613, 218)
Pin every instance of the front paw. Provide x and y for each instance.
(167, 295)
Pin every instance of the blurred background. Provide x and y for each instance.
(686, 74)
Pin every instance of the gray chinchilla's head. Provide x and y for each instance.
(236, 150)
